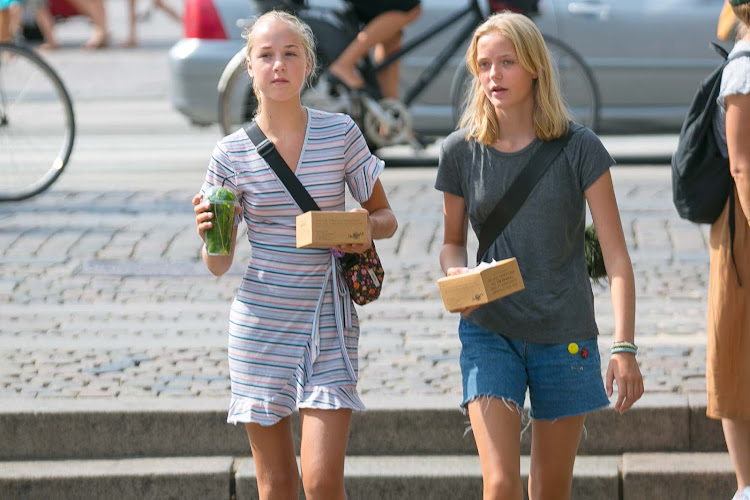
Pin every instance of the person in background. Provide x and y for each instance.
(132, 38)
(45, 21)
(9, 19)
(384, 22)
(544, 338)
(293, 329)
(728, 327)
(93, 9)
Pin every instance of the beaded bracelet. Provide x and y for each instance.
(624, 343)
(615, 350)
(624, 346)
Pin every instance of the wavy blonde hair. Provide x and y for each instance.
(298, 26)
(551, 117)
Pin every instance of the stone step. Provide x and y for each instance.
(32, 429)
(123, 479)
(441, 477)
(631, 476)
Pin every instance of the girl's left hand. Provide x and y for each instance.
(623, 369)
(362, 247)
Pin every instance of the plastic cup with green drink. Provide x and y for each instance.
(223, 205)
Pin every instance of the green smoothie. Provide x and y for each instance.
(219, 235)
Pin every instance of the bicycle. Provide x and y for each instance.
(37, 124)
(386, 122)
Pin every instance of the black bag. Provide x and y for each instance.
(363, 272)
(701, 182)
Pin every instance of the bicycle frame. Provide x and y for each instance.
(424, 79)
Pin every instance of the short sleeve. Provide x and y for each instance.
(448, 178)
(220, 171)
(362, 168)
(735, 79)
(588, 156)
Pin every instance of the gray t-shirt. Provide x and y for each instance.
(545, 236)
(735, 80)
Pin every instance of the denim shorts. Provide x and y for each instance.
(562, 379)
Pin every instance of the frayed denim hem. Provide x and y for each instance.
(485, 401)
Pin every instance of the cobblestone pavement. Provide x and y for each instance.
(104, 295)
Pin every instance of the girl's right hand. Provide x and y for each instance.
(454, 271)
(202, 215)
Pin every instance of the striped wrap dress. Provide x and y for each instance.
(293, 329)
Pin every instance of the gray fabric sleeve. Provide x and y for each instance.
(448, 175)
(589, 156)
(735, 79)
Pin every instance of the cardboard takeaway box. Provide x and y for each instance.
(317, 229)
(481, 285)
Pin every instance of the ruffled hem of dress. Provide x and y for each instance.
(249, 411)
(244, 411)
(332, 398)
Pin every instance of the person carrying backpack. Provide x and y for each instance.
(728, 328)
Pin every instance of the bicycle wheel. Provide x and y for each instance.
(37, 126)
(237, 102)
(577, 85)
(579, 89)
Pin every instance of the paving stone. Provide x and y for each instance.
(109, 288)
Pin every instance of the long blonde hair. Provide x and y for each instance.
(298, 26)
(550, 114)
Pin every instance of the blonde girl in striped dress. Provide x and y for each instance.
(293, 330)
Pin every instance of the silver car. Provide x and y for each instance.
(646, 56)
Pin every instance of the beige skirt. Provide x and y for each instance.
(728, 328)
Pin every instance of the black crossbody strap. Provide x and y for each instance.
(269, 153)
(518, 191)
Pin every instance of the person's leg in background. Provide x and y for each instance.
(46, 23)
(10, 20)
(737, 436)
(132, 38)
(94, 10)
(168, 10)
(384, 28)
(389, 77)
(4, 25)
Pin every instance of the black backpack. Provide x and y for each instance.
(701, 181)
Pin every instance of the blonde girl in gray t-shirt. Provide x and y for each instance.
(542, 339)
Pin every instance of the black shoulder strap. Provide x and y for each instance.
(745, 53)
(518, 191)
(269, 153)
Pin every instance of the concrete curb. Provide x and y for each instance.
(441, 477)
(140, 478)
(678, 475)
(68, 429)
(632, 476)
